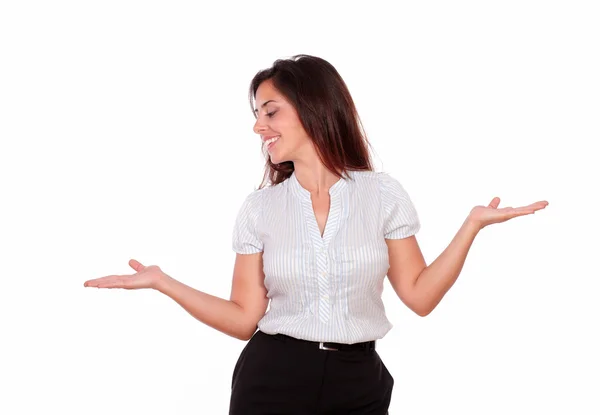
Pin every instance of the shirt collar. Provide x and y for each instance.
(337, 187)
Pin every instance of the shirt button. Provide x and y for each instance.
(323, 273)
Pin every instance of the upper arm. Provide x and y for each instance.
(401, 223)
(248, 288)
(406, 263)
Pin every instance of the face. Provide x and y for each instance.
(277, 117)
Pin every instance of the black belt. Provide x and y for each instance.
(370, 345)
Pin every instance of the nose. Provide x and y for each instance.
(259, 126)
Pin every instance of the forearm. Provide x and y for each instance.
(437, 278)
(218, 313)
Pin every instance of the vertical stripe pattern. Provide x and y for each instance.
(326, 288)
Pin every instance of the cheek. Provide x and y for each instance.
(297, 133)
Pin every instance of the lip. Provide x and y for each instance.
(270, 146)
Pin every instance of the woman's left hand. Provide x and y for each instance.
(486, 215)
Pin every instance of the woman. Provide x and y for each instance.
(316, 245)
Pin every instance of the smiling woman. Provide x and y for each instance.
(305, 102)
(316, 245)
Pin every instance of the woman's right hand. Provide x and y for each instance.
(145, 277)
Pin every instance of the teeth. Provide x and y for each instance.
(271, 140)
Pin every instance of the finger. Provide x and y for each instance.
(119, 283)
(494, 203)
(104, 280)
(534, 206)
(136, 265)
(527, 209)
(537, 205)
(521, 211)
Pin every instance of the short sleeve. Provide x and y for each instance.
(245, 239)
(400, 215)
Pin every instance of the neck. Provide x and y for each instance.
(316, 179)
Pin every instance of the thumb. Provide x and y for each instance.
(494, 203)
(136, 265)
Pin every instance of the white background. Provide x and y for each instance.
(126, 133)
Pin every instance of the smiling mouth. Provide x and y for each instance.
(271, 142)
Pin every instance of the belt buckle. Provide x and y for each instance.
(323, 347)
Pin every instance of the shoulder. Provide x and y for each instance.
(387, 180)
(255, 199)
(252, 202)
(384, 181)
(401, 217)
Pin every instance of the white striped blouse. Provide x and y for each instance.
(326, 288)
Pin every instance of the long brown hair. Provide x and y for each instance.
(326, 111)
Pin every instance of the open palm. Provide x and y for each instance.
(486, 215)
(145, 277)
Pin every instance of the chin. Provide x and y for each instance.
(277, 160)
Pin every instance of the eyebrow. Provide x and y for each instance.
(271, 100)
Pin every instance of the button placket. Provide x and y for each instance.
(321, 243)
(323, 285)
